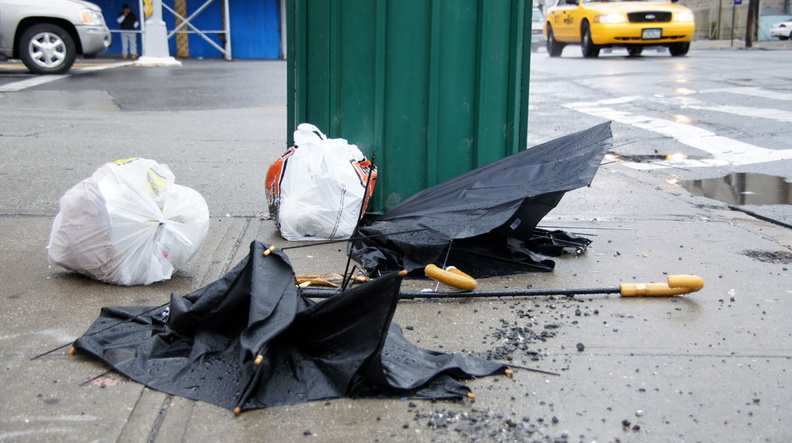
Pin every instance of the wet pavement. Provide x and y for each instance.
(710, 366)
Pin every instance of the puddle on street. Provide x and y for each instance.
(743, 189)
(650, 158)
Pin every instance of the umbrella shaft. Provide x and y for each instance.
(324, 293)
(509, 293)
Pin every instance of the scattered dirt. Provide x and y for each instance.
(519, 338)
(479, 425)
(775, 257)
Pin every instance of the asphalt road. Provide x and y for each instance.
(222, 124)
(716, 122)
(718, 116)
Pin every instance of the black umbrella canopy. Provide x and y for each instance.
(206, 346)
(507, 198)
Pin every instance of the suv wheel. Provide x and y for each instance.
(47, 49)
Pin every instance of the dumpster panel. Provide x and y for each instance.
(405, 141)
(431, 89)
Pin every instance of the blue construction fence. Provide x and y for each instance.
(255, 27)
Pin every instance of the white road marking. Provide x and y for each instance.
(30, 82)
(744, 111)
(102, 67)
(725, 151)
(752, 91)
(44, 79)
(768, 113)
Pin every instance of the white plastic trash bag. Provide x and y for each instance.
(128, 224)
(316, 189)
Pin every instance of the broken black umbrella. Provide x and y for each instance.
(251, 340)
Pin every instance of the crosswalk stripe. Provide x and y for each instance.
(750, 90)
(725, 151)
(43, 79)
(30, 82)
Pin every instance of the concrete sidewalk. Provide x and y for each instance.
(739, 44)
(708, 367)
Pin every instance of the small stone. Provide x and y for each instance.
(581, 347)
(307, 432)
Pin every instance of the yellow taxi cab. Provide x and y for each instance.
(632, 24)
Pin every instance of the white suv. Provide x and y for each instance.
(47, 35)
(782, 30)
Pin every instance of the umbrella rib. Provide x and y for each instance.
(344, 240)
(445, 261)
(97, 377)
(540, 371)
(103, 329)
(345, 281)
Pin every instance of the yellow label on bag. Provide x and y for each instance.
(156, 182)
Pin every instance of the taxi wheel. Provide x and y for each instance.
(589, 49)
(634, 51)
(679, 49)
(554, 47)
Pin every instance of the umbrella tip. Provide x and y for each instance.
(237, 410)
(258, 360)
(509, 372)
(72, 351)
(402, 273)
(269, 250)
(471, 396)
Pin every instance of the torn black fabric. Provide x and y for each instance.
(204, 345)
(505, 199)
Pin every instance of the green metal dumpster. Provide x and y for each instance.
(429, 88)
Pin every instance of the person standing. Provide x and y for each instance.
(129, 23)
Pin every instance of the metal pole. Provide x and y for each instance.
(731, 44)
(155, 40)
(227, 26)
